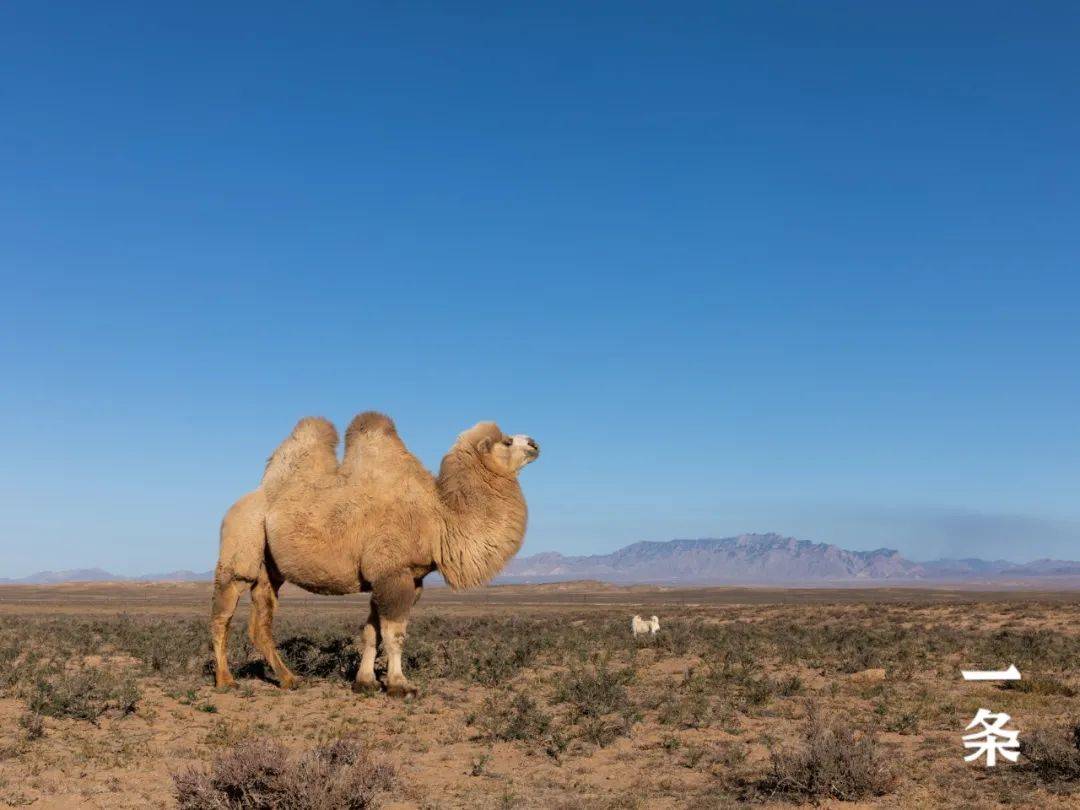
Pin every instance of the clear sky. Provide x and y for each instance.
(798, 267)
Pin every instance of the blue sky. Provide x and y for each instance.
(807, 268)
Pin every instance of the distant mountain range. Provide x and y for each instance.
(765, 559)
(749, 559)
(100, 575)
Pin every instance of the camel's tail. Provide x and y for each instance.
(311, 449)
(371, 437)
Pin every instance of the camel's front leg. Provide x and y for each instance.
(394, 598)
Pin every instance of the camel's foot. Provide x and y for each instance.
(223, 680)
(401, 690)
(289, 681)
(366, 688)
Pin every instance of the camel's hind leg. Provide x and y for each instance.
(369, 642)
(226, 594)
(260, 625)
(243, 544)
(393, 633)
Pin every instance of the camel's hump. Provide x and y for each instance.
(370, 423)
(310, 448)
(315, 430)
(371, 438)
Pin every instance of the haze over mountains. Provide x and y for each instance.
(749, 559)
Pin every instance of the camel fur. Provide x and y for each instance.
(377, 521)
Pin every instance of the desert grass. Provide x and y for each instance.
(261, 773)
(831, 761)
(758, 704)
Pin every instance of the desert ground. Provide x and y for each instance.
(538, 696)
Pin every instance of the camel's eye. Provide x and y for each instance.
(508, 441)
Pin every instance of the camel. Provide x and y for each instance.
(378, 521)
(641, 627)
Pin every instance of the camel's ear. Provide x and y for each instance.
(484, 445)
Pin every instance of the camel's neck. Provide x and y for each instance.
(485, 519)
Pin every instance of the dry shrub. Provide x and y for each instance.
(258, 774)
(85, 694)
(18, 666)
(486, 650)
(165, 646)
(1041, 685)
(1054, 754)
(32, 725)
(514, 716)
(693, 710)
(831, 762)
(321, 655)
(603, 731)
(598, 702)
(731, 754)
(595, 692)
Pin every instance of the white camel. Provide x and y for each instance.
(641, 627)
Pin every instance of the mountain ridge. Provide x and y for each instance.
(746, 559)
(764, 559)
(101, 575)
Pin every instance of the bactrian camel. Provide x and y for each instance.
(378, 522)
(642, 627)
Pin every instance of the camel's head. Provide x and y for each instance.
(501, 453)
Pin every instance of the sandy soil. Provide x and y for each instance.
(688, 743)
